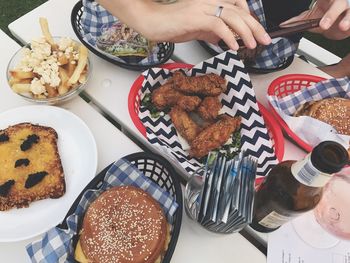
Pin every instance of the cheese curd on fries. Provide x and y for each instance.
(47, 67)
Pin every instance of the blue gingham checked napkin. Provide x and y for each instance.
(93, 19)
(307, 128)
(56, 246)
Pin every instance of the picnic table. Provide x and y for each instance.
(106, 114)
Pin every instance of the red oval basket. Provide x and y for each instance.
(134, 105)
(286, 85)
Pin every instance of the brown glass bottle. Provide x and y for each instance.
(294, 187)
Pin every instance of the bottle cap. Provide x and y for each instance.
(329, 157)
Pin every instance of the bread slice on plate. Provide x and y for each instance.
(30, 165)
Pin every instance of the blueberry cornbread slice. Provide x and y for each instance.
(30, 165)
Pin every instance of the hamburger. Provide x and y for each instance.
(124, 224)
(333, 111)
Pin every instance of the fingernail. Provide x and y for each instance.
(345, 24)
(252, 44)
(267, 39)
(235, 46)
(325, 22)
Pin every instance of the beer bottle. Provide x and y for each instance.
(294, 187)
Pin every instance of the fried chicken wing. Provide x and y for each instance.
(165, 96)
(208, 110)
(183, 123)
(188, 103)
(214, 136)
(207, 85)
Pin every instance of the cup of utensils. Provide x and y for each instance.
(220, 195)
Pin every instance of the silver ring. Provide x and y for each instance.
(219, 11)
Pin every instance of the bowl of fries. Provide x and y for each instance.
(49, 70)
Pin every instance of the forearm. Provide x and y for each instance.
(132, 13)
(336, 71)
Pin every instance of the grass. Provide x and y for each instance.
(13, 9)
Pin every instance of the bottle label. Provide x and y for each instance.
(274, 220)
(309, 175)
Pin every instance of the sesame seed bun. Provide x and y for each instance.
(124, 224)
(333, 111)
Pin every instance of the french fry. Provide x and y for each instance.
(22, 81)
(46, 32)
(21, 87)
(17, 74)
(63, 88)
(62, 73)
(51, 91)
(39, 96)
(71, 67)
(82, 78)
(62, 59)
(83, 57)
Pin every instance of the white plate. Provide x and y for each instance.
(78, 152)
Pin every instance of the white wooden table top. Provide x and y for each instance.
(103, 131)
(109, 87)
(194, 244)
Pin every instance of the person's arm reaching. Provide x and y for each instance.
(335, 14)
(184, 20)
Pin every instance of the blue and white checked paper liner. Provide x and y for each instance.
(239, 99)
(56, 244)
(93, 19)
(273, 55)
(307, 128)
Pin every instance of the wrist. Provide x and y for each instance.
(154, 15)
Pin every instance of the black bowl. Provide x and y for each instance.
(166, 49)
(286, 63)
(160, 171)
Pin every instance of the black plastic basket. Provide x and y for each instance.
(160, 171)
(286, 63)
(166, 49)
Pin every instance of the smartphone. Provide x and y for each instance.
(282, 31)
(293, 28)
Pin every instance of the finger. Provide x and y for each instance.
(243, 4)
(344, 24)
(257, 29)
(233, 21)
(218, 27)
(335, 10)
(209, 37)
(229, 3)
(238, 25)
(302, 16)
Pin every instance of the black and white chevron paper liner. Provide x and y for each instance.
(239, 99)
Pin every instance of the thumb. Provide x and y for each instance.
(302, 16)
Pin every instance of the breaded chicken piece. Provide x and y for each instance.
(214, 136)
(165, 96)
(208, 110)
(188, 103)
(207, 85)
(183, 123)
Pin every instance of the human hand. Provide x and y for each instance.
(197, 19)
(335, 14)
